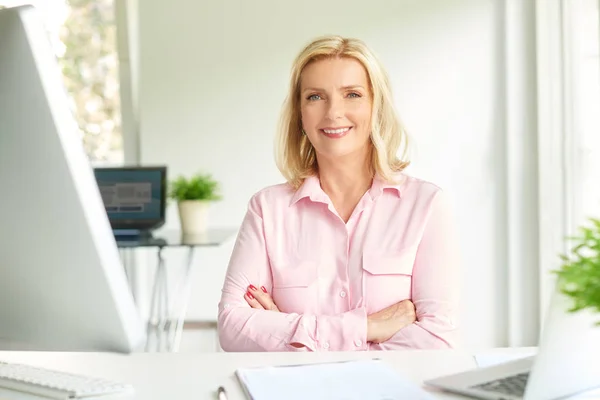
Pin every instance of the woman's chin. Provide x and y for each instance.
(340, 152)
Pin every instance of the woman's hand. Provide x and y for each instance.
(384, 324)
(260, 299)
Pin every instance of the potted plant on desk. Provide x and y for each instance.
(194, 196)
(579, 276)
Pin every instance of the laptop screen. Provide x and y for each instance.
(132, 195)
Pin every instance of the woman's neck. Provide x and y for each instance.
(347, 178)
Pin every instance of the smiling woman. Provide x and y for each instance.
(351, 253)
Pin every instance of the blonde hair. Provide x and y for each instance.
(294, 154)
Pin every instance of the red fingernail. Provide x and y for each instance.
(250, 295)
(263, 289)
(252, 287)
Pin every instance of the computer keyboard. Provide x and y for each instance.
(512, 385)
(55, 384)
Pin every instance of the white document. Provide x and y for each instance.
(351, 380)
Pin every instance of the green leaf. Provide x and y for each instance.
(197, 187)
(579, 274)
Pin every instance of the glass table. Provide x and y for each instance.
(167, 307)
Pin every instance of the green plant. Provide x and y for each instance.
(197, 187)
(579, 276)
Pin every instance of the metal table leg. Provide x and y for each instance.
(180, 305)
(128, 260)
(167, 309)
(158, 310)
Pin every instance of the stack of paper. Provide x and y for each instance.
(352, 380)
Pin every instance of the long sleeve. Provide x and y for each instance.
(435, 286)
(242, 328)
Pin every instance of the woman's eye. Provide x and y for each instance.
(313, 97)
(354, 95)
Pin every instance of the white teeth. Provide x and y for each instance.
(336, 131)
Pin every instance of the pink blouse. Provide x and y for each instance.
(327, 276)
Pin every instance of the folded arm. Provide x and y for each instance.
(242, 328)
(435, 286)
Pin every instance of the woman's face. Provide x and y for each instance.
(335, 104)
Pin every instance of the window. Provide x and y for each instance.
(83, 35)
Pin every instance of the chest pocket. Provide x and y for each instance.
(387, 278)
(295, 285)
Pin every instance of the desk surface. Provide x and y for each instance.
(196, 376)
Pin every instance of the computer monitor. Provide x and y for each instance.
(62, 284)
(134, 197)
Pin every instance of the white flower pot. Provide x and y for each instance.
(193, 215)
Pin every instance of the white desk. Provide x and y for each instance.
(196, 376)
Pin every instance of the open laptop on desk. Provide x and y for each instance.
(62, 284)
(567, 362)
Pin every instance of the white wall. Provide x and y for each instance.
(214, 73)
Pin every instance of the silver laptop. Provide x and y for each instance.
(567, 362)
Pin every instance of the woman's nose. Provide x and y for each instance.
(335, 109)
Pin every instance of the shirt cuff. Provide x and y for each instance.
(306, 325)
(343, 332)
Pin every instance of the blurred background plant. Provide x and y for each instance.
(197, 187)
(91, 73)
(579, 275)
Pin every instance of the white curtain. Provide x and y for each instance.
(522, 197)
(568, 78)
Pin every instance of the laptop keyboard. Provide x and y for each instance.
(512, 385)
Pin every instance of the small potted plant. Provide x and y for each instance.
(194, 196)
(579, 276)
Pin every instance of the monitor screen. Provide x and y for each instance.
(134, 198)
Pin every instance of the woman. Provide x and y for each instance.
(351, 253)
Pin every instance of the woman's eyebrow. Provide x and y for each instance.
(353, 87)
(349, 87)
